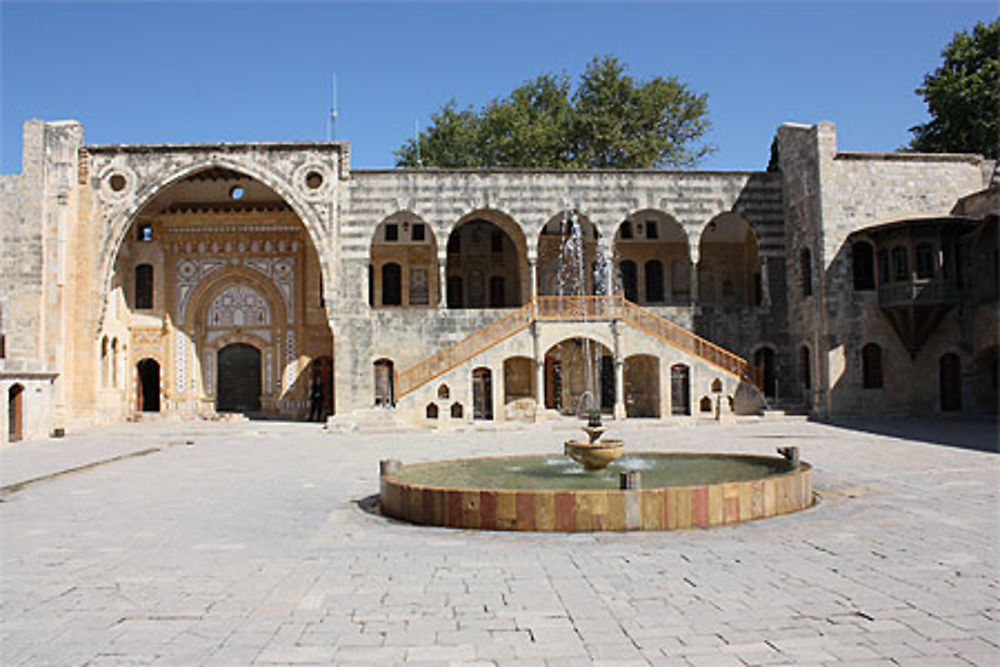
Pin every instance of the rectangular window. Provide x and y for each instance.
(391, 232)
(144, 232)
(418, 232)
(418, 286)
(651, 231)
(626, 230)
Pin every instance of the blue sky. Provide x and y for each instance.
(237, 71)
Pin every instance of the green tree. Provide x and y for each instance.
(963, 96)
(609, 121)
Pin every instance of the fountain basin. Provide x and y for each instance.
(550, 493)
(594, 455)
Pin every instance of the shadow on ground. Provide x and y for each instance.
(978, 434)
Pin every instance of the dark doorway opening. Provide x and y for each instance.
(764, 359)
(238, 387)
(385, 394)
(680, 390)
(15, 413)
(322, 374)
(149, 385)
(950, 368)
(482, 394)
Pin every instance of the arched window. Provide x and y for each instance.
(392, 284)
(630, 280)
(143, 286)
(863, 264)
(925, 261)
(871, 366)
(900, 264)
(444, 393)
(114, 362)
(805, 264)
(432, 411)
(456, 410)
(654, 281)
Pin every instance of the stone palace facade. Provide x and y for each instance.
(272, 279)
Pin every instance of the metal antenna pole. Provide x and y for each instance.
(332, 135)
(416, 139)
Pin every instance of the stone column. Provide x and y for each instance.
(539, 356)
(619, 388)
(533, 271)
(442, 279)
(695, 252)
(619, 371)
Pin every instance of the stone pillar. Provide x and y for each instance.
(498, 389)
(533, 271)
(442, 279)
(695, 258)
(619, 371)
(539, 356)
(619, 388)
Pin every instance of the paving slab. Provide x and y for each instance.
(249, 543)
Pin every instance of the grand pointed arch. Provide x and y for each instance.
(121, 217)
(235, 254)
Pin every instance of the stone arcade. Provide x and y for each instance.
(198, 279)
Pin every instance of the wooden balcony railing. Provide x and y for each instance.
(584, 308)
(579, 307)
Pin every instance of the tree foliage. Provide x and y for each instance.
(609, 121)
(963, 96)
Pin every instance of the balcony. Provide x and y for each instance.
(926, 292)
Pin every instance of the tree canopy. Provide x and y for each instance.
(963, 96)
(609, 121)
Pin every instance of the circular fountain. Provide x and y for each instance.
(595, 487)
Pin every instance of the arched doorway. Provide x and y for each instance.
(148, 394)
(950, 375)
(579, 377)
(764, 359)
(482, 394)
(642, 386)
(680, 390)
(238, 385)
(15, 413)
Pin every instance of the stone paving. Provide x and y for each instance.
(249, 547)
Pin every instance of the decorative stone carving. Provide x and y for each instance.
(190, 272)
(239, 306)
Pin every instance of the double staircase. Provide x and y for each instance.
(576, 308)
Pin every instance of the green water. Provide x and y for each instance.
(561, 473)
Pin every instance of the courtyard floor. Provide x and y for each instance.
(244, 543)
